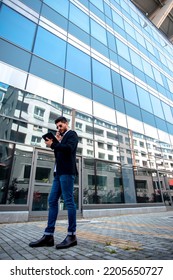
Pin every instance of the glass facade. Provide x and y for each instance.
(105, 67)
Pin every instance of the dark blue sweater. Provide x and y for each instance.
(65, 154)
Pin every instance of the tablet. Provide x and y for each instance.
(50, 136)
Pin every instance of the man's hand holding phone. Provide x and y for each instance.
(58, 136)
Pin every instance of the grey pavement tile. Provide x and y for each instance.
(153, 236)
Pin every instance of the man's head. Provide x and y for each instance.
(61, 124)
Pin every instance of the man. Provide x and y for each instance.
(63, 183)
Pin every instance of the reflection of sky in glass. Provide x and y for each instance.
(17, 28)
(2, 85)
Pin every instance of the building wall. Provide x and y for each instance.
(105, 67)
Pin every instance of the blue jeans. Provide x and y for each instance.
(63, 184)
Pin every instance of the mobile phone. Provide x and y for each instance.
(50, 136)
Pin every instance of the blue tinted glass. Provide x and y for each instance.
(14, 55)
(144, 99)
(161, 124)
(98, 4)
(79, 33)
(125, 64)
(111, 41)
(113, 56)
(98, 46)
(148, 118)
(129, 29)
(103, 97)
(98, 32)
(35, 5)
(130, 92)
(119, 104)
(101, 75)
(151, 82)
(54, 17)
(78, 62)
(139, 74)
(61, 6)
(79, 18)
(47, 71)
(147, 68)
(122, 50)
(136, 59)
(133, 111)
(97, 12)
(50, 47)
(78, 85)
(17, 28)
(157, 108)
(170, 128)
(107, 10)
(167, 112)
(118, 19)
(117, 84)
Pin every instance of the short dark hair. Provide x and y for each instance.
(61, 119)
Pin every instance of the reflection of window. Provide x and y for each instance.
(90, 153)
(141, 144)
(101, 155)
(89, 142)
(101, 181)
(39, 113)
(27, 170)
(109, 147)
(100, 145)
(53, 117)
(78, 126)
(35, 140)
(110, 157)
(37, 127)
(42, 174)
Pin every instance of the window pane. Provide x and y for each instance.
(157, 108)
(47, 71)
(78, 85)
(14, 55)
(130, 92)
(148, 118)
(79, 18)
(103, 97)
(98, 32)
(133, 111)
(50, 47)
(167, 112)
(60, 6)
(54, 17)
(122, 49)
(117, 84)
(136, 59)
(144, 99)
(98, 4)
(17, 28)
(76, 60)
(119, 104)
(101, 75)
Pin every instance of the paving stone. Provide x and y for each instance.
(139, 236)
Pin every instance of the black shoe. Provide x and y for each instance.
(69, 241)
(46, 240)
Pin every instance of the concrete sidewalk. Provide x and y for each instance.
(124, 237)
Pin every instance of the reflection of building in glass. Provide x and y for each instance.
(93, 62)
